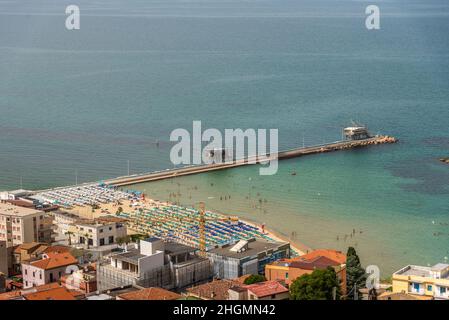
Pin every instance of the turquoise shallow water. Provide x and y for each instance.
(90, 100)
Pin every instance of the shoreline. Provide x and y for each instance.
(299, 247)
(108, 209)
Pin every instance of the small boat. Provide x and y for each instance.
(293, 173)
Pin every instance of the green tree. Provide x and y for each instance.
(355, 274)
(319, 285)
(254, 278)
(123, 240)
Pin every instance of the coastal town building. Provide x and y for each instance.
(152, 293)
(49, 269)
(401, 296)
(95, 233)
(31, 251)
(218, 289)
(5, 259)
(63, 222)
(267, 290)
(287, 270)
(235, 289)
(423, 281)
(14, 194)
(154, 263)
(83, 280)
(246, 257)
(52, 291)
(20, 224)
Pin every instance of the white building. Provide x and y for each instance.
(154, 264)
(98, 232)
(423, 281)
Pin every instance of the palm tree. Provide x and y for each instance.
(86, 235)
(69, 234)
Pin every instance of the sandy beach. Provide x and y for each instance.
(147, 204)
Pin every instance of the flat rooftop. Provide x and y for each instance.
(254, 247)
(177, 248)
(132, 256)
(421, 271)
(12, 210)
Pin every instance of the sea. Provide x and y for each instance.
(89, 104)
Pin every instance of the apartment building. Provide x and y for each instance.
(423, 281)
(19, 225)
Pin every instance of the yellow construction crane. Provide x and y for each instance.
(202, 226)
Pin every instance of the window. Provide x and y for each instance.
(34, 274)
(40, 276)
(286, 275)
(416, 286)
(111, 239)
(110, 228)
(26, 272)
(101, 230)
(102, 242)
(443, 290)
(429, 287)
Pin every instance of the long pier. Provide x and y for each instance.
(292, 153)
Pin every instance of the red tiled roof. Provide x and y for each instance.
(55, 260)
(60, 293)
(27, 246)
(312, 264)
(57, 249)
(51, 291)
(152, 293)
(10, 295)
(216, 290)
(334, 255)
(266, 288)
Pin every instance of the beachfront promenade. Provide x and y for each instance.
(292, 153)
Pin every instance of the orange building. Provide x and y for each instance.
(288, 270)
